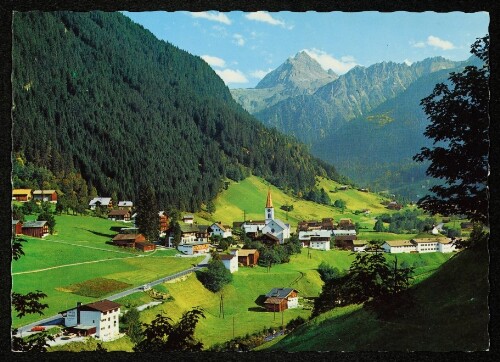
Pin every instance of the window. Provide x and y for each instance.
(109, 318)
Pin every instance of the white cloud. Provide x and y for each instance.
(231, 76)
(259, 74)
(419, 44)
(238, 39)
(329, 62)
(264, 17)
(214, 61)
(408, 62)
(219, 17)
(439, 43)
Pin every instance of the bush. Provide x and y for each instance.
(216, 276)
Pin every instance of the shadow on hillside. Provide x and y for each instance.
(99, 234)
(257, 309)
(260, 300)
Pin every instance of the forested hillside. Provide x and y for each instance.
(97, 94)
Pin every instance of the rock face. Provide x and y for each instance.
(300, 75)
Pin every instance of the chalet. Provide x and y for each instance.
(37, 229)
(345, 242)
(320, 242)
(145, 246)
(253, 228)
(279, 299)
(100, 319)
(305, 238)
(163, 221)
(270, 239)
(125, 205)
(248, 257)
(45, 195)
(194, 248)
(346, 224)
(128, 240)
(119, 215)
(230, 261)
(101, 201)
(17, 227)
(223, 231)
(399, 246)
(22, 195)
(324, 224)
(188, 219)
(393, 205)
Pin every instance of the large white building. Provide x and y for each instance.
(426, 245)
(316, 239)
(99, 318)
(270, 225)
(230, 261)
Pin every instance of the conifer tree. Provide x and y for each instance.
(147, 219)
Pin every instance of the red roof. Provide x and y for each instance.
(101, 306)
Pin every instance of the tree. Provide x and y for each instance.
(51, 221)
(216, 276)
(211, 207)
(147, 219)
(131, 325)
(458, 114)
(379, 226)
(162, 336)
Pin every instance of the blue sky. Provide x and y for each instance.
(242, 47)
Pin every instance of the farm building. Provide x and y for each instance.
(305, 238)
(324, 224)
(36, 229)
(128, 240)
(359, 245)
(393, 205)
(188, 219)
(194, 248)
(399, 246)
(320, 242)
(248, 257)
(230, 261)
(45, 195)
(101, 201)
(426, 245)
(269, 239)
(119, 215)
(190, 234)
(279, 299)
(223, 231)
(99, 318)
(145, 246)
(345, 242)
(125, 205)
(163, 221)
(17, 227)
(22, 194)
(346, 224)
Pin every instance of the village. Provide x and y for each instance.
(101, 318)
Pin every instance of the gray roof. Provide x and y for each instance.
(34, 224)
(14, 222)
(102, 200)
(125, 203)
(280, 292)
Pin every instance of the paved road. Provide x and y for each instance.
(58, 318)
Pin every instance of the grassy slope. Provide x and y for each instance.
(450, 314)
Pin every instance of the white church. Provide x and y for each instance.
(270, 225)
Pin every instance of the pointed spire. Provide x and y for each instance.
(269, 202)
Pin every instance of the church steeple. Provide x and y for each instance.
(269, 210)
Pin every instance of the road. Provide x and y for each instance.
(58, 318)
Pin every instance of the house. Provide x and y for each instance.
(22, 195)
(345, 242)
(270, 225)
(248, 257)
(305, 237)
(429, 245)
(128, 240)
(37, 229)
(346, 224)
(145, 246)
(320, 242)
(45, 195)
(270, 239)
(194, 248)
(190, 233)
(230, 261)
(324, 224)
(125, 205)
(279, 299)
(119, 215)
(101, 319)
(224, 231)
(393, 205)
(399, 246)
(163, 221)
(343, 232)
(359, 245)
(17, 227)
(101, 201)
(188, 219)
(363, 189)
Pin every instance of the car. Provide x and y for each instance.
(37, 329)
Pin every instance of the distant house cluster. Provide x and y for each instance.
(24, 195)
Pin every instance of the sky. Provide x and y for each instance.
(242, 47)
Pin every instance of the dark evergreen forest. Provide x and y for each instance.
(97, 94)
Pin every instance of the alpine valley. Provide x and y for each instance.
(367, 122)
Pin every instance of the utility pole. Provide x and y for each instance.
(244, 215)
(282, 323)
(233, 326)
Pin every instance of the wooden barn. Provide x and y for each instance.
(45, 195)
(128, 240)
(279, 299)
(119, 215)
(345, 242)
(270, 239)
(145, 246)
(248, 257)
(36, 229)
(22, 194)
(17, 227)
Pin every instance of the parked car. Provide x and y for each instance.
(38, 329)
